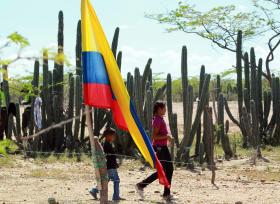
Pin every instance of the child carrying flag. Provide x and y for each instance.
(160, 139)
(112, 165)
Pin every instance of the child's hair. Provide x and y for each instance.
(108, 131)
(158, 105)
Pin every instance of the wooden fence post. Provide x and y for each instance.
(99, 160)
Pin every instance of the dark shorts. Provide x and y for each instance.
(26, 118)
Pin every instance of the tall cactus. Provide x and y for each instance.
(218, 86)
(198, 133)
(188, 125)
(149, 105)
(138, 93)
(79, 51)
(115, 41)
(78, 106)
(129, 84)
(239, 72)
(260, 94)
(119, 60)
(254, 89)
(35, 81)
(45, 100)
(203, 101)
(172, 118)
(70, 113)
(59, 103)
(247, 80)
(184, 73)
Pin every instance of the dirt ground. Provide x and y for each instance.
(34, 181)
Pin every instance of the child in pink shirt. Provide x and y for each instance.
(160, 139)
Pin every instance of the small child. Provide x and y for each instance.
(112, 165)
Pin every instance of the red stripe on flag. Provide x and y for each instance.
(98, 95)
(118, 116)
(161, 174)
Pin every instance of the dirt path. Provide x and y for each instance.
(35, 181)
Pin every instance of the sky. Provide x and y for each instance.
(140, 38)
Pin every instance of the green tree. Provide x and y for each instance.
(221, 24)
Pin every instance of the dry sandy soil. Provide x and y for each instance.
(29, 181)
(34, 181)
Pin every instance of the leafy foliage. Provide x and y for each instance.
(18, 39)
(7, 146)
(219, 24)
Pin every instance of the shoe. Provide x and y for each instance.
(168, 197)
(119, 199)
(140, 191)
(94, 194)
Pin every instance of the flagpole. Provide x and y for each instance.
(99, 160)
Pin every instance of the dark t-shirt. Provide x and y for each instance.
(110, 155)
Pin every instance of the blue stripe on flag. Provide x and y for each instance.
(142, 131)
(94, 70)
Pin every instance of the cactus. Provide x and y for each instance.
(208, 139)
(259, 95)
(78, 106)
(172, 118)
(218, 87)
(119, 60)
(246, 123)
(254, 95)
(198, 133)
(201, 153)
(203, 101)
(184, 73)
(160, 93)
(35, 81)
(79, 51)
(70, 113)
(247, 80)
(58, 82)
(149, 105)
(35, 87)
(169, 99)
(115, 41)
(221, 129)
(239, 72)
(267, 105)
(83, 125)
(275, 123)
(18, 124)
(138, 93)
(129, 84)
(187, 125)
(255, 124)
(146, 75)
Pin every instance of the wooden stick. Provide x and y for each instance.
(102, 182)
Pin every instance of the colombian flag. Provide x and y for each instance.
(105, 88)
